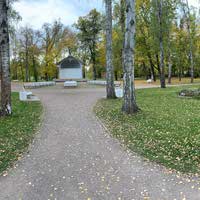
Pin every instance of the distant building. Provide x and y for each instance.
(70, 68)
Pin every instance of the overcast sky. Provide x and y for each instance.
(37, 12)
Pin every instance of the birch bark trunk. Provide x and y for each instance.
(110, 88)
(5, 60)
(129, 103)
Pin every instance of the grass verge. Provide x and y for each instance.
(17, 131)
(167, 130)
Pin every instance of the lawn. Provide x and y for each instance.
(166, 130)
(175, 81)
(17, 131)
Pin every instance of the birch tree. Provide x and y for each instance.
(159, 5)
(170, 15)
(5, 60)
(129, 103)
(110, 88)
(188, 21)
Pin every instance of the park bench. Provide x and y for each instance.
(149, 81)
(68, 84)
(103, 83)
(27, 96)
(97, 82)
(33, 85)
(118, 89)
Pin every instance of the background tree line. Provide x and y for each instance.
(36, 52)
(167, 43)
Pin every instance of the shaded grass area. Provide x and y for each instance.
(17, 131)
(167, 130)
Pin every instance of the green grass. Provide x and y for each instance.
(17, 131)
(166, 130)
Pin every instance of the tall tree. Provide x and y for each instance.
(129, 103)
(170, 15)
(25, 41)
(119, 15)
(5, 60)
(110, 87)
(34, 51)
(89, 28)
(144, 38)
(188, 21)
(53, 44)
(159, 5)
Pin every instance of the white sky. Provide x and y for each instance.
(37, 12)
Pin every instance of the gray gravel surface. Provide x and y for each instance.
(74, 158)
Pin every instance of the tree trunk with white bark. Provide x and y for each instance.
(129, 103)
(110, 88)
(5, 60)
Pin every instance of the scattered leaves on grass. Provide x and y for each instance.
(17, 131)
(167, 130)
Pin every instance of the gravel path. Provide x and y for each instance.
(73, 158)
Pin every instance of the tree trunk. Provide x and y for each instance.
(191, 65)
(94, 67)
(162, 66)
(35, 69)
(187, 15)
(16, 72)
(191, 43)
(169, 60)
(93, 59)
(146, 70)
(110, 87)
(5, 60)
(153, 75)
(84, 74)
(116, 75)
(129, 103)
(179, 75)
(170, 73)
(26, 59)
(158, 63)
(169, 69)
(22, 72)
(122, 26)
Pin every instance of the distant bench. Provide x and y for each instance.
(149, 81)
(33, 85)
(104, 83)
(118, 89)
(70, 84)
